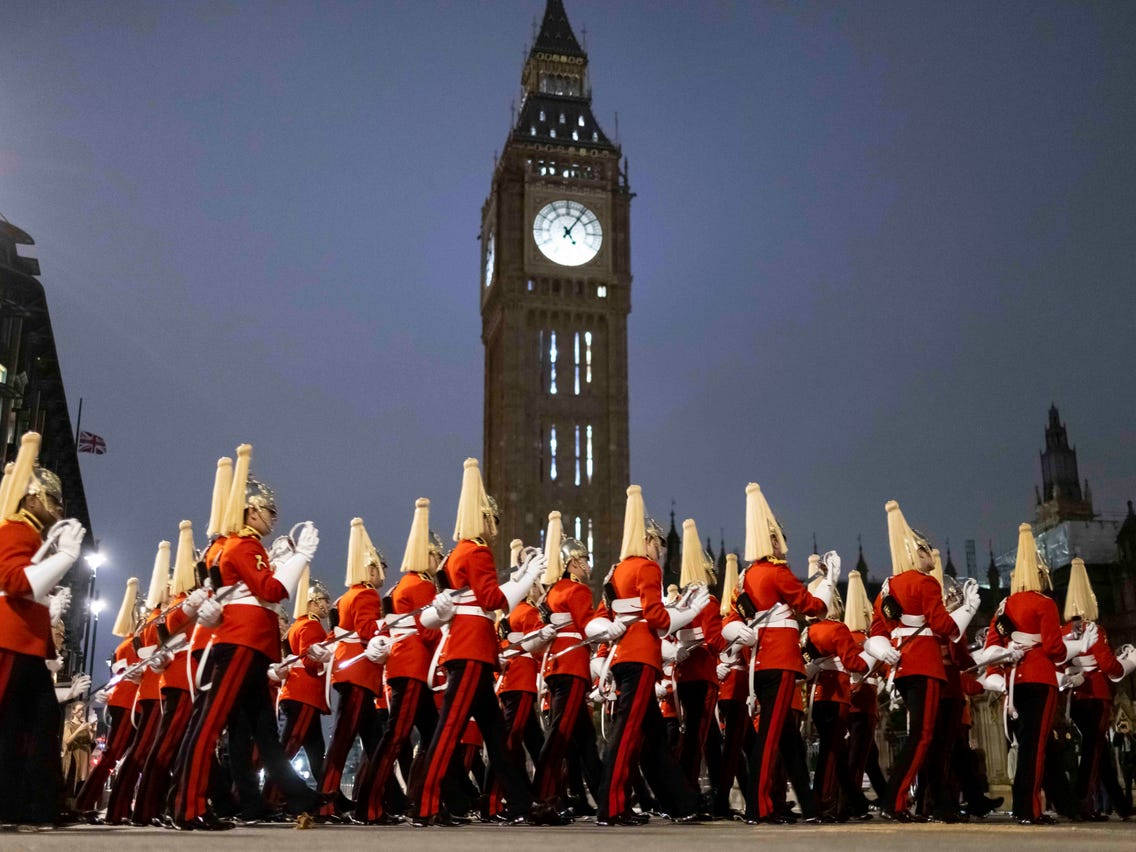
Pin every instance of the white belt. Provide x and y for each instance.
(402, 632)
(781, 622)
(1086, 663)
(350, 640)
(241, 596)
(900, 632)
(626, 605)
(470, 610)
(912, 620)
(558, 618)
(778, 612)
(690, 634)
(831, 664)
(565, 634)
(514, 637)
(1026, 640)
(464, 597)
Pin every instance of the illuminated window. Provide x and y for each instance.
(579, 530)
(552, 453)
(530, 290)
(587, 357)
(542, 115)
(552, 132)
(575, 138)
(595, 136)
(577, 456)
(601, 292)
(576, 362)
(590, 548)
(588, 457)
(552, 364)
(581, 122)
(561, 118)
(532, 130)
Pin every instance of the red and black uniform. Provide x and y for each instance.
(173, 685)
(637, 591)
(569, 680)
(863, 716)
(697, 681)
(358, 685)
(120, 731)
(245, 642)
(776, 594)
(737, 732)
(410, 704)
(919, 674)
(146, 715)
(938, 790)
(836, 651)
(470, 658)
(30, 724)
(1031, 686)
(1091, 711)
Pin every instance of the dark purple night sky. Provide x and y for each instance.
(871, 243)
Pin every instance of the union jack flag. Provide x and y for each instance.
(89, 442)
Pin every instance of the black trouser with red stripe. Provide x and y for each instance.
(517, 710)
(570, 722)
(239, 694)
(1036, 704)
(469, 692)
(303, 729)
(1093, 716)
(778, 737)
(701, 735)
(863, 753)
(31, 771)
(355, 716)
(921, 695)
(117, 740)
(833, 773)
(147, 716)
(154, 785)
(938, 790)
(411, 706)
(637, 720)
(736, 742)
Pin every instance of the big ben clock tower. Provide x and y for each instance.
(555, 293)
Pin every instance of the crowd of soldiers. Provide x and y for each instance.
(475, 699)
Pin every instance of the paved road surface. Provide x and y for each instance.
(992, 835)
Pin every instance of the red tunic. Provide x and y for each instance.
(918, 595)
(124, 692)
(702, 662)
(833, 638)
(200, 634)
(768, 583)
(474, 637)
(360, 611)
(520, 669)
(25, 626)
(863, 697)
(304, 682)
(642, 578)
(410, 654)
(244, 559)
(569, 596)
(1033, 613)
(1099, 666)
(148, 689)
(175, 675)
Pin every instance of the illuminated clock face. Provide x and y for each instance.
(567, 232)
(489, 256)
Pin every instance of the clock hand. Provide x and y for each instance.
(568, 235)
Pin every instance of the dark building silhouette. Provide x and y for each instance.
(32, 398)
(1061, 497)
(555, 291)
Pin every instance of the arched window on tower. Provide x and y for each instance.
(587, 357)
(552, 363)
(588, 456)
(577, 455)
(590, 547)
(579, 529)
(552, 452)
(576, 362)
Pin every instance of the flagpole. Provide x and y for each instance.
(78, 423)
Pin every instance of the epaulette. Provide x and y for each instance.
(25, 517)
(247, 532)
(773, 560)
(479, 541)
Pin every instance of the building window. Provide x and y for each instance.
(587, 359)
(601, 291)
(595, 136)
(530, 287)
(577, 459)
(588, 457)
(532, 130)
(579, 529)
(561, 118)
(542, 115)
(581, 122)
(552, 453)
(590, 548)
(576, 362)
(552, 365)
(552, 132)
(575, 138)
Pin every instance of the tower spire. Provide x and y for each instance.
(556, 34)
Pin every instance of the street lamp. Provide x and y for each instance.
(95, 560)
(96, 606)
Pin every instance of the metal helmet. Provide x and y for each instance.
(258, 495)
(573, 548)
(653, 530)
(318, 589)
(43, 481)
(711, 569)
(434, 545)
(953, 597)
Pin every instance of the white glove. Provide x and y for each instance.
(277, 673)
(54, 664)
(993, 683)
(542, 638)
(1070, 679)
(880, 648)
(740, 632)
(595, 667)
(288, 574)
(811, 670)
(378, 649)
(721, 671)
(1077, 647)
(682, 616)
(133, 676)
(160, 660)
(669, 650)
(598, 628)
(616, 630)
(660, 690)
(996, 654)
(307, 541)
(823, 591)
(440, 611)
(77, 689)
(209, 613)
(320, 653)
(831, 561)
(1126, 656)
(280, 549)
(533, 566)
(193, 602)
(59, 603)
(46, 574)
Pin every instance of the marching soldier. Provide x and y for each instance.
(864, 702)
(37, 549)
(470, 651)
(774, 594)
(246, 640)
(638, 619)
(737, 727)
(358, 684)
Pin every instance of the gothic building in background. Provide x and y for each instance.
(555, 292)
(1061, 497)
(32, 398)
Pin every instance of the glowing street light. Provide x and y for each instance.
(96, 607)
(95, 560)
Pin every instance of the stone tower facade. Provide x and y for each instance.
(1061, 497)
(555, 292)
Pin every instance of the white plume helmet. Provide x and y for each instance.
(515, 548)
(124, 621)
(361, 554)
(303, 593)
(634, 524)
(6, 482)
(233, 518)
(693, 557)
(416, 556)
(937, 567)
(23, 472)
(553, 538)
(1080, 601)
(858, 609)
(473, 503)
(158, 593)
(903, 541)
(1027, 567)
(222, 483)
(761, 526)
(184, 578)
(729, 584)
